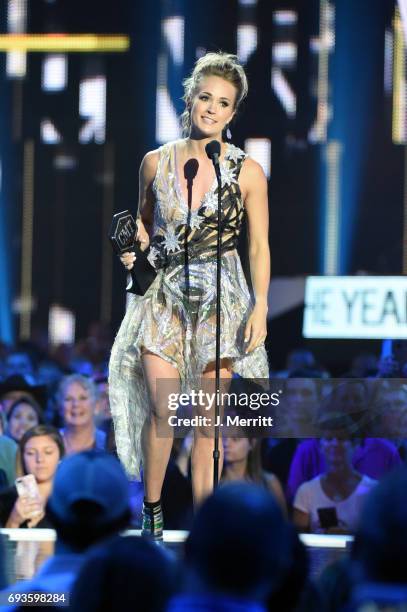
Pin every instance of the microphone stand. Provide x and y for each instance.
(216, 453)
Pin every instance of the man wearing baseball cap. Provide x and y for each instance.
(89, 503)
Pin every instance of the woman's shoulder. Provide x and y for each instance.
(269, 479)
(154, 155)
(250, 167)
(311, 486)
(7, 444)
(308, 493)
(150, 160)
(271, 482)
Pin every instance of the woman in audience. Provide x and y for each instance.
(331, 502)
(23, 414)
(77, 397)
(41, 450)
(373, 456)
(242, 461)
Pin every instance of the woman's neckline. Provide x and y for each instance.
(343, 499)
(178, 184)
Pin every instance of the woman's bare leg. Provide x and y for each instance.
(156, 450)
(202, 449)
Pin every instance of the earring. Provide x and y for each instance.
(228, 133)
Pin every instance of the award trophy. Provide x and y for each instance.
(122, 236)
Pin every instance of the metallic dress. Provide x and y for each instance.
(176, 317)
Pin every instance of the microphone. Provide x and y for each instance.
(212, 150)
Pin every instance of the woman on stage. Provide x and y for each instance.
(169, 332)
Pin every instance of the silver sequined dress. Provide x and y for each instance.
(175, 318)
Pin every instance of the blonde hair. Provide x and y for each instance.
(224, 65)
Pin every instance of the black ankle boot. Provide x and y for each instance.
(152, 525)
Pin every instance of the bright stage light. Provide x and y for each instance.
(388, 62)
(167, 123)
(173, 31)
(283, 91)
(324, 45)
(246, 41)
(16, 64)
(16, 15)
(49, 133)
(54, 72)
(260, 150)
(61, 325)
(285, 18)
(167, 126)
(84, 43)
(333, 154)
(403, 12)
(284, 54)
(399, 82)
(92, 106)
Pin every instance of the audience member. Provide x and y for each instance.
(23, 414)
(88, 504)
(19, 362)
(373, 457)
(77, 398)
(394, 365)
(375, 576)
(237, 552)
(8, 452)
(296, 593)
(41, 449)
(331, 502)
(103, 416)
(298, 359)
(242, 462)
(295, 417)
(126, 573)
(15, 387)
(178, 509)
(391, 413)
(380, 547)
(363, 365)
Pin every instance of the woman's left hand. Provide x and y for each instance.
(256, 328)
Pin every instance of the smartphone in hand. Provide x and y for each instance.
(328, 517)
(27, 487)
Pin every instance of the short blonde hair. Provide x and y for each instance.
(86, 383)
(224, 65)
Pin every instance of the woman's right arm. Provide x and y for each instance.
(302, 506)
(145, 213)
(301, 520)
